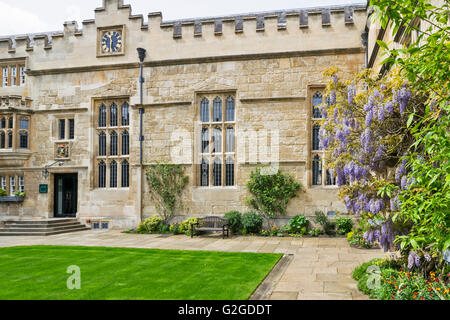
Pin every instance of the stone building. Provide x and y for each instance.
(221, 96)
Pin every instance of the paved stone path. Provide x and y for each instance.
(321, 268)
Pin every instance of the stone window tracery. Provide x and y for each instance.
(113, 143)
(217, 141)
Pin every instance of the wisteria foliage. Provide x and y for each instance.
(364, 131)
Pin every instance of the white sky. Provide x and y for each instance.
(30, 16)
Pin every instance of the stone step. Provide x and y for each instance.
(36, 225)
(42, 222)
(48, 233)
(32, 228)
(41, 227)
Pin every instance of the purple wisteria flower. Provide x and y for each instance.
(376, 93)
(369, 118)
(351, 94)
(335, 79)
(381, 114)
(387, 236)
(389, 108)
(413, 260)
(383, 87)
(395, 204)
(403, 98)
(404, 182)
(333, 98)
(427, 257)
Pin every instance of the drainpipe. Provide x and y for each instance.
(365, 42)
(142, 54)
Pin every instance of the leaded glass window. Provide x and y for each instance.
(217, 113)
(114, 122)
(316, 141)
(23, 140)
(205, 140)
(2, 140)
(125, 174)
(102, 175)
(24, 124)
(113, 144)
(230, 172)
(102, 144)
(217, 173)
(230, 112)
(317, 101)
(125, 143)
(113, 115)
(125, 114)
(204, 110)
(204, 173)
(102, 116)
(217, 141)
(113, 174)
(317, 171)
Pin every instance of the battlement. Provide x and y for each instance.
(243, 31)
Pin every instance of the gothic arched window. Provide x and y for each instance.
(102, 175)
(102, 116)
(316, 141)
(231, 109)
(113, 174)
(217, 110)
(229, 172)
(102, 144)
(204, 173)
(125, 143)
(217, 172)
(317, 101)
(125, 115)
(317, 171)
(204, 110)
(125, 174)
(113, 115)
(113, 146)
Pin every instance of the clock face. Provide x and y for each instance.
(111, 42)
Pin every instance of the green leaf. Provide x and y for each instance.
(410, 120)
(383, 45)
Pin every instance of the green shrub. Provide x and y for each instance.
(235, 221)
(175, 229)
(344, 225)
(151, 225)
(328, 227)
(252, 222)
(3, 193)
(356, 239)
(315, 232)
(185, 226)
(298, 225)
(271, 193)
(166, 183)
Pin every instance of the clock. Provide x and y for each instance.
(111, 42)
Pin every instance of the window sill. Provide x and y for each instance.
(324, 187)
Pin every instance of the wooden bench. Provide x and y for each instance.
(211, 224)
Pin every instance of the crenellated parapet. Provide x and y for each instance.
(296, 30)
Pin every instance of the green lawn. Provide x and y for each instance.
(39, 273)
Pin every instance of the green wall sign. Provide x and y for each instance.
(43, 188)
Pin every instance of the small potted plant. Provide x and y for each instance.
(17, 196)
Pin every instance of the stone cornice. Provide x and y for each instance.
(199, 60)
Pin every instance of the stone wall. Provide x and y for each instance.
(272, 71)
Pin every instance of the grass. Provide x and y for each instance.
(40, 273)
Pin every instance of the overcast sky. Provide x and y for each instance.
(30, 16)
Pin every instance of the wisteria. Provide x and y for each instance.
(359, 141)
